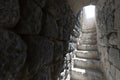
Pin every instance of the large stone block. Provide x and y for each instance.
(12, 55)
(104, 54)
(117, 74)
(107, 69)
(30, 20)
(58, 49)
(113, 72)
(53, 9)
(105, 16)
(117, 20)
(66, 34)
(50, 28)
(9, 13)
(113, 40)
(114, 57)
(118, 38)
(58, 58)
(40, 53)
(61, 28)
(41, 3)
(43, 74)
(103, 41)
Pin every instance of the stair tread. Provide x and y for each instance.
(86, 63)
(86, 54)
(85, 51)
(84, 74)
(86, 47)
(87, 44)
(89, 30)
(83, 59)
(83, 71)
(87, 40)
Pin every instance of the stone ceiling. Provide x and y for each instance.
(76, 5)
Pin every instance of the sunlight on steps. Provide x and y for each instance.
(85, 64)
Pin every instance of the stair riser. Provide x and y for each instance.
(87, 47)
(89, 30)
(88, 41)
(79, 76)
(89, 64)
(87, 55)
(89, 35)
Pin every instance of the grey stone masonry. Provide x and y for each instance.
(108, 30)
(34, 38)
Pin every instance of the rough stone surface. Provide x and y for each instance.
(30, 20)
(113, 72)
(12, 55)
(113, 39)
(43, 53)
(117, 22)
(50, 28)
(9, 13)
(118, 38)
(58, 58)
(45, 26)
(117, 74)
(114, 56)
(108, 23)
(41, 3)
(106, 16)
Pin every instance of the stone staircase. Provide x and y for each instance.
(85, 63)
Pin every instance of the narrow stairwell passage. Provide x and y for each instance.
(86, 60)
(85, 63)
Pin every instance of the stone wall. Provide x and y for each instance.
(108, 29)
(34, 38)
(77, 5)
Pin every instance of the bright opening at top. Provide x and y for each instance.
(89, 11)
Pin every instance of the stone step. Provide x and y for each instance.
(87, 41)
(82, 74)
(86, 63)
(89, 30)
(89, 35)
(87, 47)
(86, 54)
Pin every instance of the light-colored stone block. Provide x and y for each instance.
(113, 72)
(113, 40)
(114, 56)
(117, 74)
